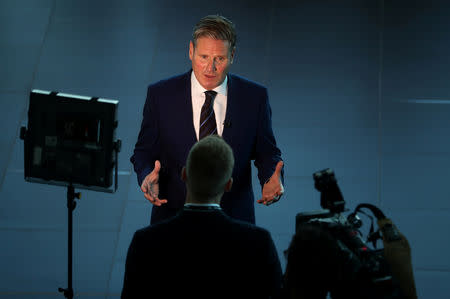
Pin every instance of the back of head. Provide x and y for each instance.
(216, 27)
(208, 168)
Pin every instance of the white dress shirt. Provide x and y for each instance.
(198, 99)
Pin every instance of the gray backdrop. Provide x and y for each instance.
(358, 86)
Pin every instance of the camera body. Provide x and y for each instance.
(366, 268)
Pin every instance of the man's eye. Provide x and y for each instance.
(204, 56)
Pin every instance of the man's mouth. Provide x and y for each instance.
(210, 76)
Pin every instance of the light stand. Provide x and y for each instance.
(71, 204)
(70, 142)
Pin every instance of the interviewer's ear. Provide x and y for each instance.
(183, 174)
(228, 185)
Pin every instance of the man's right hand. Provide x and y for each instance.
(150, 186)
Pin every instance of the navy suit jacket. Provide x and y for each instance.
(167, 134)
(202, 254)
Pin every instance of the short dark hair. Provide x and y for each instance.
(209, 167)
(216, 27)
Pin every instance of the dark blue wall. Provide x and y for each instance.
(358, 86)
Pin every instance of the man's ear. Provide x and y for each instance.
(232, 55)
(191, 50)
(228, 185)
(183, 174)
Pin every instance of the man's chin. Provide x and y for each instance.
(211, 82)
(210, 85)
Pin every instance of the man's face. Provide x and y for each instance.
(211, 59)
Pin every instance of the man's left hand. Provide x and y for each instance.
(273, 189)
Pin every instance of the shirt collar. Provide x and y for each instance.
(197, 88)
(202, 205)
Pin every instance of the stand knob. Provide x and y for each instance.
(23, 133)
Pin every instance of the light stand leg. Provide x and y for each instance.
(71, 204)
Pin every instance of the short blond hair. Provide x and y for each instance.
(209, 167)
(216, 27)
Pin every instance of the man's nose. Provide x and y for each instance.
(212, 65)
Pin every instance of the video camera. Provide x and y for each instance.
(366, 266)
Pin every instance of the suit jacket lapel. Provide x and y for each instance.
(185, 106)
(231, 109)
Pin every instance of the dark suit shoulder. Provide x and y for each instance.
(231, 246)
(248, 229)
(154, 228)
(242, 82)
(216, 219)
(171, 82)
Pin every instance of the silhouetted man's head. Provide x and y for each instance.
(208, 169)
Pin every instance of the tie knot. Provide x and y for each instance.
(210, 94)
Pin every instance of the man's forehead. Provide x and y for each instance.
(211, 40)
(208, 43)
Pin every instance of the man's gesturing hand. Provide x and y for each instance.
(150, 186)
(273, 189)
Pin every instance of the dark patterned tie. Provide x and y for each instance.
(208, 124)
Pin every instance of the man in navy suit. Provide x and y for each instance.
(202, 252)
(207, 100)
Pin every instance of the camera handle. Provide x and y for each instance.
(389, 231)
(373, 235)
(375, 210)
